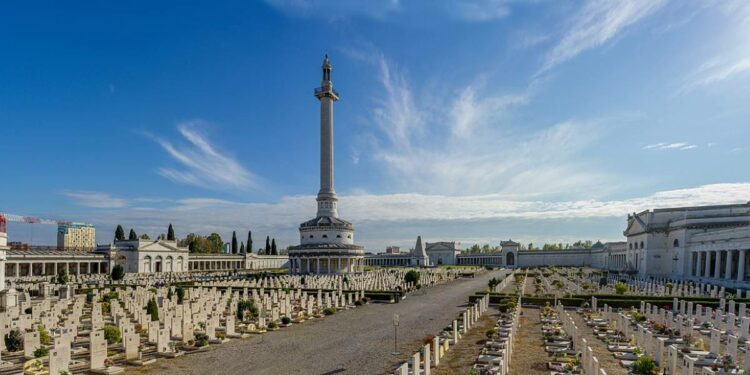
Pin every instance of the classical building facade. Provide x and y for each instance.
(443, 253)
(417, 257)
(327, 241)
(79, 236)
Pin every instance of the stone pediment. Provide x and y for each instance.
(635, 226)
(164, 246)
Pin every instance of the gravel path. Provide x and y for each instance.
(529, 357)
(357, 341)
(461, 357)
(606, 359)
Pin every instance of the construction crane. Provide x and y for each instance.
(5, 217)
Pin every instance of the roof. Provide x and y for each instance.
(327, 221)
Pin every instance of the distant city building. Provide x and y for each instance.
(393, 250)
(76, 236)
(227, 248)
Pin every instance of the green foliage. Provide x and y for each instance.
(644, 366)
(112, 334)
(273, 325)
(169, 293)
(132, 236)
(41, 351)
(329, 310)
(152, 308)
(119, 233)
(62, 276)
(274, 251)
(621, 288)
(234, 242)
(246, 305)
(286, 320)
(213, 244)
(412, 277)
(44, 337)
(28, 310)
(242, 247)
(268, 246)
(180, 294)
(249, 241)
(145, 236)
(118, 272)
(493, 283)
(170, 233)
(14, 340)
(201, 339)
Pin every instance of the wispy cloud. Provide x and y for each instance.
(470, 145)
(96, 199)
(201, 164)
(661, 146)
(597, 22)
(715, 71)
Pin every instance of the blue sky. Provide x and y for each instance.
(473, 121)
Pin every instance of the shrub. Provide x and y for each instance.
(491, 333)
(14, 340)
(412, 277)
(286, 320)
(329, 310)
(62, 276)
(152, 309)
(272, 325)
(180, 294)
(357, 303)
(117, 272)
(41, 351)
(621, 288)
(201, 339)
(28, 310)
(644, 366)
(246, 305)
(112, 334)
(44, 337)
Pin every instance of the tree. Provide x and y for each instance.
(170, 233)
(250, 241)
(152, 309)
(118, 272)
(112, 334)
(14, 340)
(132, 236)
(62, 276)
(242, 247)
(180, 294)
(274, 251)
(268, 246)
(145, 236)
(234, 242)
(412, 277)
(531, 246)
(119, 233)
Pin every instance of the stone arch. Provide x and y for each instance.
(147, 264)
(510, 259)
(158, 264)
(169, 264)
(676, 243)
(179, 266)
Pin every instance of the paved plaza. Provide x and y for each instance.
(353, 341)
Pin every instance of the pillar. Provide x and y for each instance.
(741, 267)
(707, 266)
(317, 265)
(717, 265)
(78, 268)
(728, 268)
(18, 269)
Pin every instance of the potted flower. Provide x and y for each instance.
(108, 362)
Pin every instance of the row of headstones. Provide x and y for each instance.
(497, 358)
(421, 361)
(507, 280)
(589, 363)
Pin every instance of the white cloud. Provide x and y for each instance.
(715, 71)
(465, 143)
(96, 199)
(380, 216)
(661, 146)
(597, 22)
(201, 164)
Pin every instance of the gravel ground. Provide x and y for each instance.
(461, 357)
(357, 341)
(529, 357)
(606, 359)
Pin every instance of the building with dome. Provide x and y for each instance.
(327, 241)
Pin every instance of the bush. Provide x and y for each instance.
(112, 334)
(246, 305)
(412, 277)
(118, 273)
(62, 276)
(329, 311)
(152, 309)
(272, 325)
(201, 339)
(644, 366)
(621, 288)
(44, 337)
(286, 320)
(14, 340)
(41, 352)
(180, 294)
(28, 310)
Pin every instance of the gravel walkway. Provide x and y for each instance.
(529, 357)
(357, 341)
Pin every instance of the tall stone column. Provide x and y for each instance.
(707, 265)
(717, 265)
(728, 268)
(741, 266)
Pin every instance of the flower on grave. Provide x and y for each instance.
(727, 361)
(108, 362)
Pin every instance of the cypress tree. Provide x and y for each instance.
(119, 233)
(242, 247)
(273, 247)
(234, 242)
(250, 241)
(132, 236)
(170, 233)
(268, 245)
